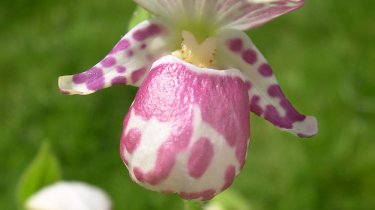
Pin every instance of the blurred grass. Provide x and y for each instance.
(323, 56)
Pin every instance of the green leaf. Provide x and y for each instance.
(42, 171)
(139, 15)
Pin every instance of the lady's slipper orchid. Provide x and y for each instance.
(199, 77)
(69, 196)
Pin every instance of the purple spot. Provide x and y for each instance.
(273, 116)
(132, 140)
(130, 53)
(291, 114)
(138, 174)
(265, 70)
(200, 158)
(275, 91)
(121, 45)
(137, 75)
(108, 61)
(235, 45)
(150, 58)
(230, 173)
(96, 84)
(150, 31)
(143, 46)
(122, 143)
(254, 105)
(93, 78)
(118, 80)
(204, 195)
(79, 78)
(190, 196)
(208, 194)
(120, 69)
(249, 56)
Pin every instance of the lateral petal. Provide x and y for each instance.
(266, 98)
(127, 63)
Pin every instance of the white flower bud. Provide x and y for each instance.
(69, 196)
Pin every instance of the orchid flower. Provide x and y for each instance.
(69, 196)
(199, 77)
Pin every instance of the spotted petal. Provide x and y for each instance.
(127, 63)
(267, 99)
(228, 14)
(187, 131)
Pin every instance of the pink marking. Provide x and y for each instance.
(200, 158)
(120, 69)
(255, 107)
(249, 56)
(132, 140)
(148, 32)
(150, 58)
(138, 74)
(190, 196)
(166, 157)
(204, 195)
(122, 142)
(130, 53)
(121, 45)
(122, 151)
(143, 46)
(138, 174)
(93, 78)
(230, 173)
(96, 84)
(91, 74)
(275, 91)
(235, 45)
(118, 80)
(208, 194)
(169, 92)
(265, 70)
(108, 61)
(273, 115)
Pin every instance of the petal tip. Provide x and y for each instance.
(66, 86)
(310, 128)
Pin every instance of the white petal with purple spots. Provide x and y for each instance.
(267, 99)
(127, 63)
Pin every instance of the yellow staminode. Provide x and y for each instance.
(200, 54)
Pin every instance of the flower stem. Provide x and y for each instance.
(191, 205)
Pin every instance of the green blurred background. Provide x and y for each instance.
(323, 56)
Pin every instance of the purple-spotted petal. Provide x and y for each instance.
(267, 100)
(225, 14)
(127, 63)
(175, 139)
